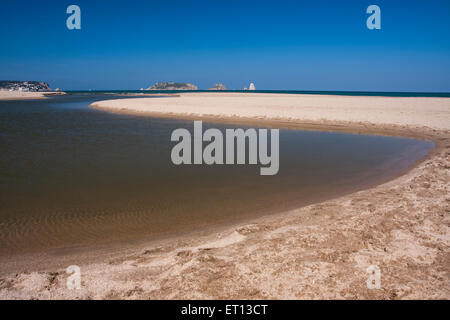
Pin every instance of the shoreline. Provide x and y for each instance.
(307, 239)
(378, 110)
(25, 95)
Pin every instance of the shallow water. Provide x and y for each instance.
(71, 175)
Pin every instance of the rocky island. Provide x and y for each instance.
(218, 86)
(173, 86)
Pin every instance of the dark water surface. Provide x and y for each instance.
(71, 176)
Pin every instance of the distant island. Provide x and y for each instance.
(26, 86)
(218, 86)
(251, 87)
(173, 86)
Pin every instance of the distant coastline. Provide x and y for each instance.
(20, 90)
(300, 92)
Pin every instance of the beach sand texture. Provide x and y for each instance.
(420, 112)
(316, 252)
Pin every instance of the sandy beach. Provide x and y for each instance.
(411, 112)
(321, 251)
(23, 95)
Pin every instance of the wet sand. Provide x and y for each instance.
(319, 251)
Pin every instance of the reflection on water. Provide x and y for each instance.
(70, 175)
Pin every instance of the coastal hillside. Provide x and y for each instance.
(29, 86)
(173, 86)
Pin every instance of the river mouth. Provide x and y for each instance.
(74, 176)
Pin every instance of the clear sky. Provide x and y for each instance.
(295, 45)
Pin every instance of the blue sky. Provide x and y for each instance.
(295, 45)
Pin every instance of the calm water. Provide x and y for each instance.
(71, 176)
